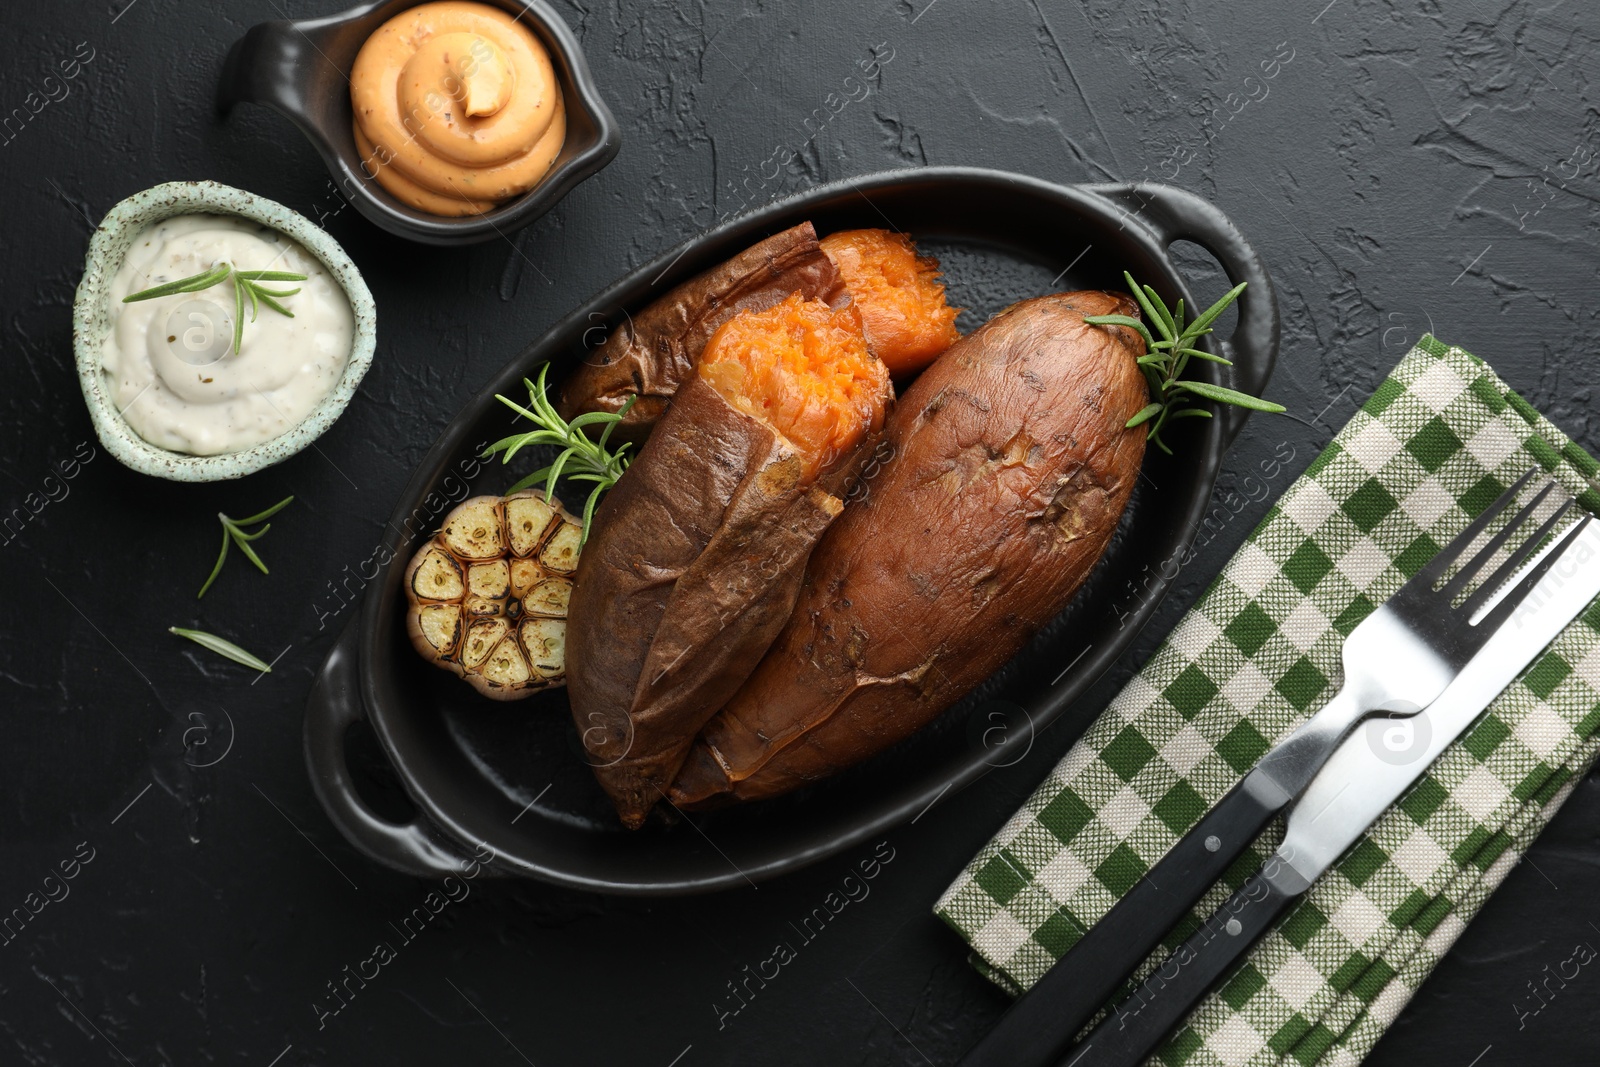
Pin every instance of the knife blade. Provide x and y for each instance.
(1366, 774)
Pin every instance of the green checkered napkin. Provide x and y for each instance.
(1437, 442)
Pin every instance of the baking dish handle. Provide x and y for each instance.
(333, 706)
(1174, 214)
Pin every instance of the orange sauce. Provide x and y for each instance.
(456, 107)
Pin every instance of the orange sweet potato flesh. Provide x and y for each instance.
(1011, 468)
(696, 556)
(899, 295)
(653, 353)
(804, 369)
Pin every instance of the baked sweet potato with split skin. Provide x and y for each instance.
(696, 555)
(653, 353)
(898, 294)
(1011, 469)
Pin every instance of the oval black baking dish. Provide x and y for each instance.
(299, 69)
(512, 777)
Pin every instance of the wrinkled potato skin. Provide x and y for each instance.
(716, 499)
(654, 353)
(1011, 470)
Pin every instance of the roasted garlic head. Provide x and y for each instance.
(487, 597)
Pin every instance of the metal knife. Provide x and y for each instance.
(1369, 772)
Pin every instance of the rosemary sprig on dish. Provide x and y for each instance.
(192, 284)
(1165, 360)
(234, 530)
(581, 459)
(246, 283)
(223, 647)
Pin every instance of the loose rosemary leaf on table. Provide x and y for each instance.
(223, 647)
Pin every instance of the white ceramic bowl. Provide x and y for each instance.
(91, 323)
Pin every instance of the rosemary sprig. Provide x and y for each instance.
(192, 284)
(1166, 359)
(234, 530)
(246, 283)
(581, 459)
(223, 647)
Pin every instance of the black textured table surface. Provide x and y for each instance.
(1401, 166)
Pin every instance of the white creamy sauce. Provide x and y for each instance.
(169, 362)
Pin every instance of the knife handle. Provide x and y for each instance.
(1134, 1029)
(1039, 1027)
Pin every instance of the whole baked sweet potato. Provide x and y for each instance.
(696, 556)
(653, 353)
(1011, 468)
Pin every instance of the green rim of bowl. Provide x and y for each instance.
(91, 323)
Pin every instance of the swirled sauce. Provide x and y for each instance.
(169, 362)
(456, 107)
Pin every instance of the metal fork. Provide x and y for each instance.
(1403, 655)
(1397, 660)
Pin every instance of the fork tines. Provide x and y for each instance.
(1435, 568)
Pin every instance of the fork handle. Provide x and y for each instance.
(1133, 1030)
(1040, 1026)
